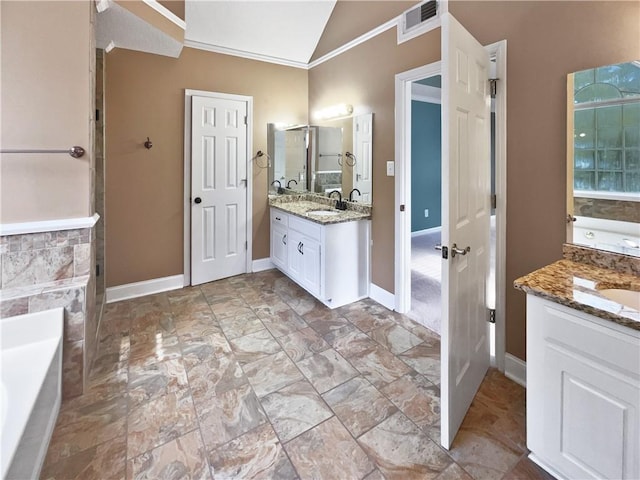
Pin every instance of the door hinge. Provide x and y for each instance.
(402, 208)
(246, 245)
(493, 87)
(494, 201)
(245, 119)
(97, 269)
(492, 315)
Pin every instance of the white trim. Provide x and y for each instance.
(355, 42)
(402, 245)
(427, 26)
(262, 264)
(402, 259)
(499, 50)
(623, 196)
(380, 295)
(426, 93)
(426, 231)
(544, 466)
(147, 287)
(188, 93)
(48, 225)
(515, 369)
(244, 54)
(166, 13)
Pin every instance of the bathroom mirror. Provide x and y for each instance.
(288, 152)
(603, 158)
(320, 158)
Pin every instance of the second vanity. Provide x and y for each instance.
(324, 250)
(583, 367)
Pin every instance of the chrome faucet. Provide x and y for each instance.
(289, 182)
(351, 194)
(340, 205)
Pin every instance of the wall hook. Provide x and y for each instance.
(148, 143)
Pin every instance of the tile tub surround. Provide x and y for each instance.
(300, 205)
(178, 390)
(576, 285)
(40, 271)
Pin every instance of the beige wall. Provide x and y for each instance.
(144, 188)
(46, 100)
(545, 41)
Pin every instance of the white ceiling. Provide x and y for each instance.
(282, 30)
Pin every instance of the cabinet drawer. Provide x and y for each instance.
(310, 229)
(577, 332)
(278, 217)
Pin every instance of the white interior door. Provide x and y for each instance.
(363, 143)
(218, 188)
(466, 191)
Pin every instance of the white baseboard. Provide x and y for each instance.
(147, 287)
(546, 467)
(262, 264)
(380, 295)
(426, 231)
(515, 369)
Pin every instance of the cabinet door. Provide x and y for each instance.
(279, 246)
(591, 416)
(310, 253)
(295, 265)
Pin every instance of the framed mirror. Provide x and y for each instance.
(603, 158)
(320, 158)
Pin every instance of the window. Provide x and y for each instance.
(607, 129)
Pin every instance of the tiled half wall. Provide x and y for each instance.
(40, 271)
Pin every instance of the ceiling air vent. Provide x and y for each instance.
(418, 20)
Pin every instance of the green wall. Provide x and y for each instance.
(426, 153)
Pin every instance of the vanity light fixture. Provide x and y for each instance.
(335, 111)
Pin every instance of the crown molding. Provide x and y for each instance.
(165, 12)
(244, 54)
(356, 41)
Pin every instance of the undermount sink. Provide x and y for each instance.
(628, 298)
(324, 213)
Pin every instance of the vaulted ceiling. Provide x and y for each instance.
(292, 32)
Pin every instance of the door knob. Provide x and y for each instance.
(570, 218)
(197, 200)
(459, 251)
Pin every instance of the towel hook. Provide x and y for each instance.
(148, 144)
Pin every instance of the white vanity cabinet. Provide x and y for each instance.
(279, 231)
(583, 393)
(330, 261)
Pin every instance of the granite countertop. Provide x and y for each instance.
(301, 205)
(577, 285)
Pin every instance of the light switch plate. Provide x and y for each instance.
(390, 168)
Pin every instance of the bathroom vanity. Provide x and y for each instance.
(583, 369)
(324, 250)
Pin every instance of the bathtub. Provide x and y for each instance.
(31, 367)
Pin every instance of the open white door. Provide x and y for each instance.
(466, 190)
(218, 188)
(362, 145)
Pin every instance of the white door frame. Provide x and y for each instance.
(187, 175)
(403, 187)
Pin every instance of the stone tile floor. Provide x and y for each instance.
(250, 377)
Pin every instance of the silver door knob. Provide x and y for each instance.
(459, 251)
(438, 247)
